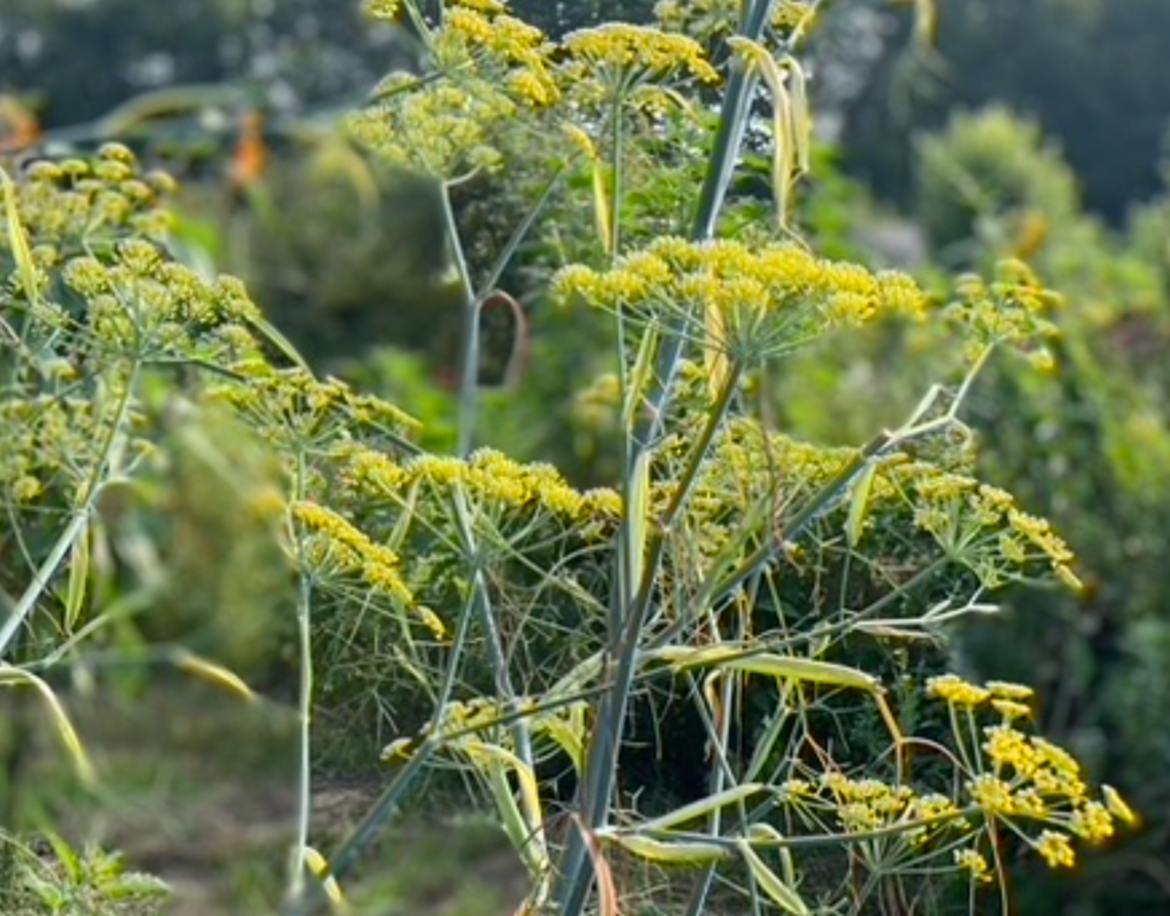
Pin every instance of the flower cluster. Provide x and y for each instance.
(333, 546)
(496, 484)
(980, 525)
(1010, 780)
(621, 56)
(80, 204)
(441, 128)
(495, 75)
(1010, 309)
(836, 801)
(748, 304)
(1016, 778)
(297, 411)
(484, 32)
(490, 70)
(708, 20)
(46, 439)
(139, 301)
(105, 301)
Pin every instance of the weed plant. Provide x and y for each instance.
(491, 617)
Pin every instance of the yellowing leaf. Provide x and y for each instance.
(81, 762)
(855, 523)
(320, 868)
(601, 207)
(214, 674)
(770, 665)
(18, 240)
(640, 376)
(78, 580)
(522, 823)
(639, 517)
(769, 882)
(669, 853)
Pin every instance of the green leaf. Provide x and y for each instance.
(668, 853)
(778, 892)
(703, 806)
(768, 664)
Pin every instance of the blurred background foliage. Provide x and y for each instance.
(1032, 129)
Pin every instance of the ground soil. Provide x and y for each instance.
(199, 789)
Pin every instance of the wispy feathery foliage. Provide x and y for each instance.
(482, 610)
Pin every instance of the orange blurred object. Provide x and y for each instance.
(250, 157)
(19, 127)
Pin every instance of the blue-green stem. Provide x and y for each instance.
(473, 304)
(717, 781)
(605, 742)
(469, 364)
(296, 886)
(621, 664)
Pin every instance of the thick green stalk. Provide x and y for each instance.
(621, 665)
(733, 120)
(605, 742)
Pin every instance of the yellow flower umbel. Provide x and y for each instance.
(745, 304)
(710, 20)
(975, 863)
(500, 488)
(333, 545)
(981, 527)
(1011, 309)
(1022, 781)
(955, 690)
(621, 55)
(489, 71)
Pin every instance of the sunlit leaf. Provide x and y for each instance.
(769, 882)
(669, 853)
(703, 806)
(81, 762)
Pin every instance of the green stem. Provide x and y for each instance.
(732, 124)
(304, 703)
(605, 740)
(717, 781)
(615, 209)
(822, 839)
(481, 601)
(393, 796)
(469, 366)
